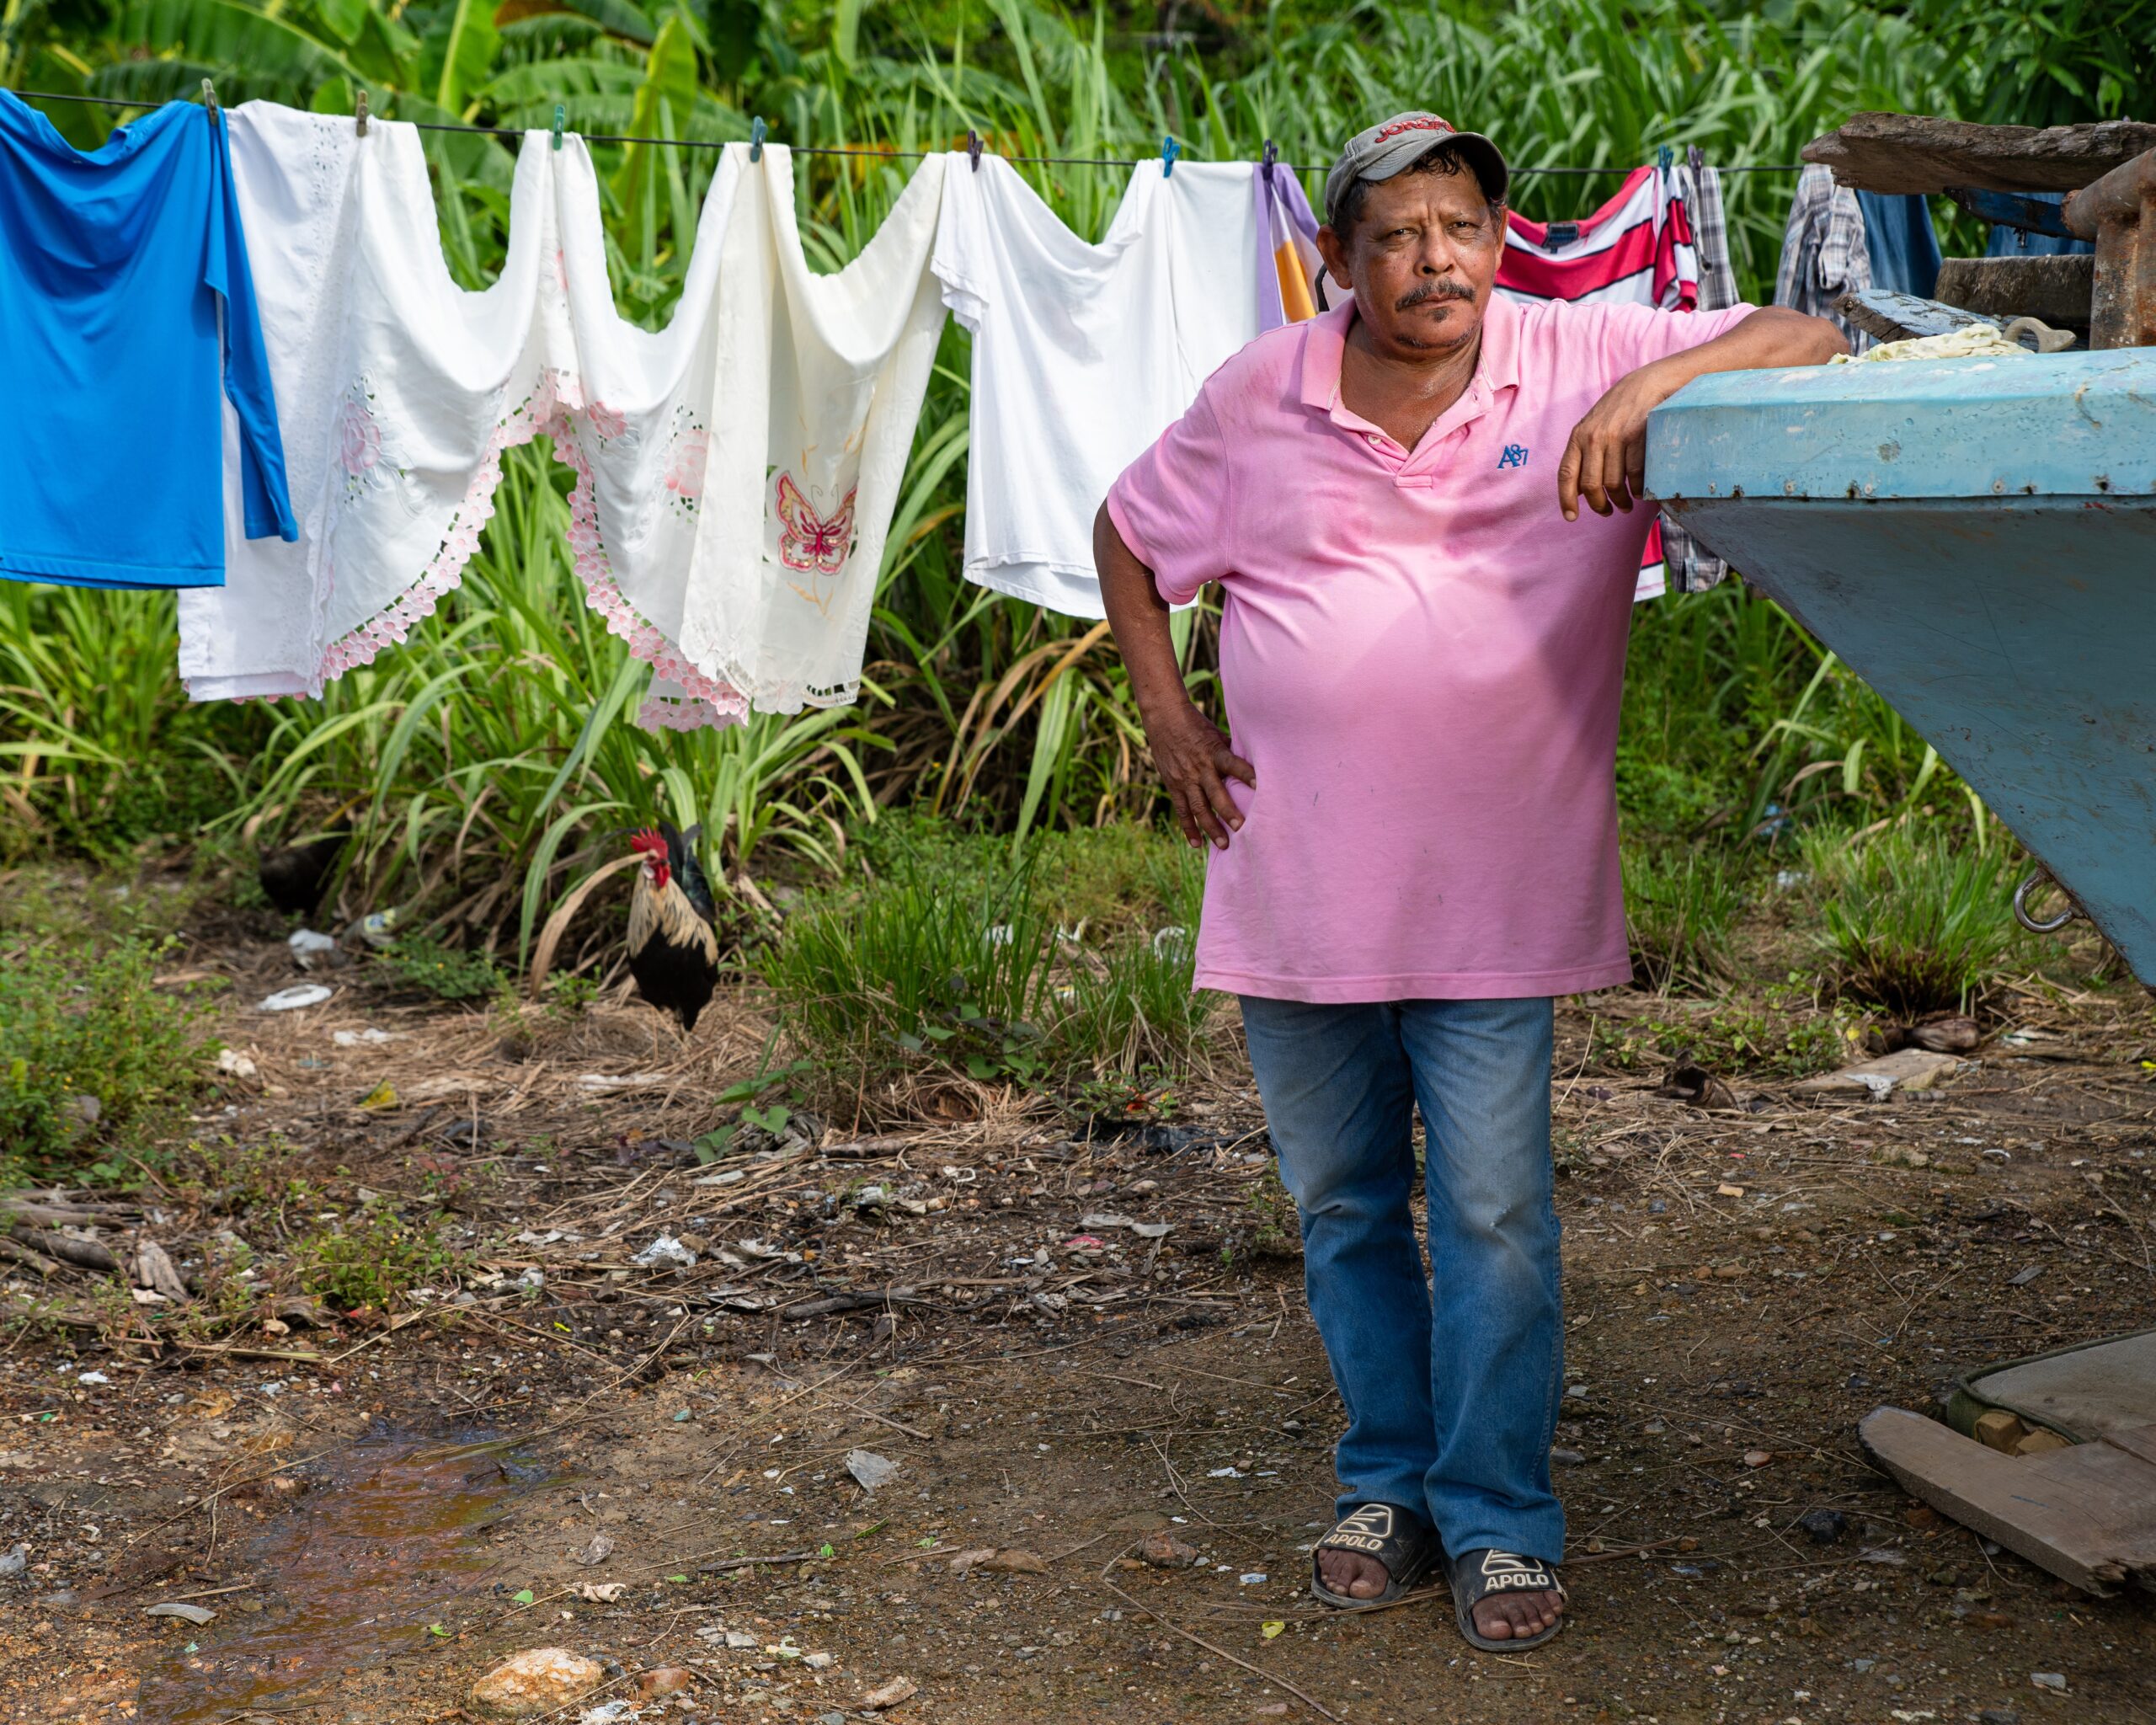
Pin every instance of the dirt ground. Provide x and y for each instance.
(558, 1447)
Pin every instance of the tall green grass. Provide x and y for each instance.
(1917, 920)
(958, 955)
(488, 762)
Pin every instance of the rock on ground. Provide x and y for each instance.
(537, 1681)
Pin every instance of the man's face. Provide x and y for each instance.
(1421, 259)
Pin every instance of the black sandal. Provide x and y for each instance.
(1399, 1539)
(1476, 1576)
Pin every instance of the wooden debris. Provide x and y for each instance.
(1697, 1086)
(1903, 317)
(1998, 1429)
(2100, 1390)
(154, 1269)
(1910, 1069)
(22, 1254)
(87, 1253)
(2086, 1512)
(2058, 290)
(1908, 153)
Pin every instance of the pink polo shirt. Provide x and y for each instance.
(1423, 660)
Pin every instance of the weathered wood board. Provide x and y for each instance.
(2086, 1514)
(1908, 153)
(2059, 290)
(2095, 1391)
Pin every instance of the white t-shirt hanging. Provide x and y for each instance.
(817, 381)
(396, 392)
(257, 636)
(1083, 354)
(640, 443)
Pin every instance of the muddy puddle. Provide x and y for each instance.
(383, 1538)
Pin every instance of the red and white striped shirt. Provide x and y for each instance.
(1635, 250)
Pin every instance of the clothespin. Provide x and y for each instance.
(209, 100)
(973, 149)
(1665, 158)
(1272, 156)
(756, 139)
(561, 120)
(360, 113)
(1170, 149)
(1694, 158)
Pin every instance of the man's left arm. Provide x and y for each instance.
(1606, 459)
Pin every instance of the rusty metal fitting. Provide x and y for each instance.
(2118, 212)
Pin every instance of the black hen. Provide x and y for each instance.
(672, 947)
(293, 878)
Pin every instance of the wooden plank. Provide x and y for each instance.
(2137, 1440)
(1900, 317)
(2090, 1391)
(2086, 1514)
(1908, 153)
(2058, 290)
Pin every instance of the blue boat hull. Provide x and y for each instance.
(2019, 637)
(1976, 539)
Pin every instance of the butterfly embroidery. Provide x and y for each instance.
(812, 544)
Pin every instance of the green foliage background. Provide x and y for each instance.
(489, 763)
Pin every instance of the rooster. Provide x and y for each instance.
(673, 947)
(293, 879)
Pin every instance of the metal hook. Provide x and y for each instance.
(973, 149)
(1170, 149)
(2042, 878)
(360, 113)
(756, 140)
(561, 119)
(1272, 156)
(209, 100)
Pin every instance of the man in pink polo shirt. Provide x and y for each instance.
(1421, 649)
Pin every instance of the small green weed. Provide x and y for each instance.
(373, 1258)
(1150, 1097)
(1780, 1036)
(1276, 1229)
(447, 973)
(570, 996)
(1678, 909)
(1916, 922)
(94, 1057)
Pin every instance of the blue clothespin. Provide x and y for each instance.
(973, 149)
(561, 119)
(1272, 156)
(756, 139)
(1664, 157)
(1170, 149)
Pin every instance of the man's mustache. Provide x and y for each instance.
(1435, 290)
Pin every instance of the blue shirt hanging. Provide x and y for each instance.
(1901, 243)
(125, 305)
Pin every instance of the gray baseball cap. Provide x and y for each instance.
(1390, 145)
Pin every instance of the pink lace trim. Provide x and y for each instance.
(416, 603)
(711, 702)
(662, 712)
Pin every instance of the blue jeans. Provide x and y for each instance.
(1451, 1390)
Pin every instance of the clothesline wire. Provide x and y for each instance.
(504, 131)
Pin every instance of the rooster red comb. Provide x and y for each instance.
(649, 843)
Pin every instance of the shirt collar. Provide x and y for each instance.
(1324, 346)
